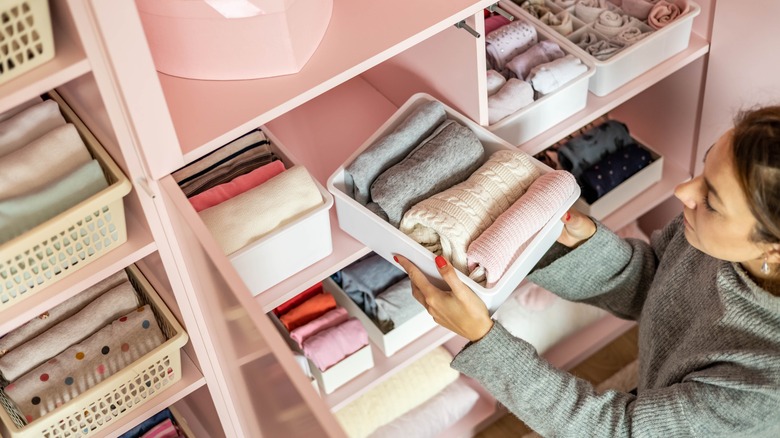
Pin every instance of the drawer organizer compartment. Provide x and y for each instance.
(275, 257)
(117, 395)
(622, 193)
(386, 240)
(71, 240)
(550, 109)
(629, 62)
(337, 374)
(392, 341)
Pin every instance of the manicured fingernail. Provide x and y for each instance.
(441, 261)
(395, 258)
(568, 216)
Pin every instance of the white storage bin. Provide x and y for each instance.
(551, 109)
(386, 240)
(392, 341)
(334, 377)
(275, 257)
(627, 190)
(631, 61)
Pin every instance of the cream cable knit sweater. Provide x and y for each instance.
(447, 222)
(709, 345)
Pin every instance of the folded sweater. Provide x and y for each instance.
(28, 125)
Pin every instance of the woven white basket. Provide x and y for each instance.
(116, 396)
(26, 39)
(71, 240)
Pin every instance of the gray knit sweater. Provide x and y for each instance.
(709, 345)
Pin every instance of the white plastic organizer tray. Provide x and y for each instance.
(630, 62)
(386, 240)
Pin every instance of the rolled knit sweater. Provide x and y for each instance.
(447, 222)
(709, 345)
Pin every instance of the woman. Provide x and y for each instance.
(705, 293)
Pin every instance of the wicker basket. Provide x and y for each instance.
(26, 39)
(71, 240)
(116, 396)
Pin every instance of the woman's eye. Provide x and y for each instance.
(707, 204)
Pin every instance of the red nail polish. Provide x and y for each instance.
(568, 216)
(441, 261)
(395, 258)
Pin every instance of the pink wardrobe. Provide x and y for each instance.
(240, 378)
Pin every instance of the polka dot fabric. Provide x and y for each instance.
(86, 364)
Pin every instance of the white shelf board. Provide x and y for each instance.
(207, 114)
(191, 380)
(139, 244)
(598, 106)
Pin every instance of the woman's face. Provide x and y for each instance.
(718, 221)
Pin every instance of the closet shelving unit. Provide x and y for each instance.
(240, 378)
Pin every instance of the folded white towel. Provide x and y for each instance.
(28, 125)
(251, 215)
(47, 159)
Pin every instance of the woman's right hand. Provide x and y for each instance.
(577, 228)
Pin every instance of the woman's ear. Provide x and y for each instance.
(773, 253)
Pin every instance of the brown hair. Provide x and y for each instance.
(756, 146)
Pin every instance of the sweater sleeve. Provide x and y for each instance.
(605, 271)
(555, 403)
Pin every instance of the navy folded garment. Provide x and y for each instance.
(585, 150)
(613, 170)
(148, 424)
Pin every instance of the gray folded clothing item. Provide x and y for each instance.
(396, 305)
(447, 157)
(367, 278)
(25, 212)
(388, 150)
(29, 124)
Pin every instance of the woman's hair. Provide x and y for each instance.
(756, 146)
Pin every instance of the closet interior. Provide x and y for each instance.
(239, 376)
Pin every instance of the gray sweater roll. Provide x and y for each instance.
(709, 345)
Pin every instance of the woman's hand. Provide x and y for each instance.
(577, 228)
(459, 310)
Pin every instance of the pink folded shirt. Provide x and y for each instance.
(491, 253)
(326, 321)
(330, 346)
(165, 429)
(221, 193)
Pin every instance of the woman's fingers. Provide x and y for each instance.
(418, 279)
(576, 228)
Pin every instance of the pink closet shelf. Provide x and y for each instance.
(207, 114)
(69, 63)
(191, 380)
(139, 244)
(598, 106)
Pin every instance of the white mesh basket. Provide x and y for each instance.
(71, 240)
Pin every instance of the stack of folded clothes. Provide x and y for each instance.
(422, 400)
(430, 178)
(324, 332)
(381, 290)
(76, 345)
(242, 191)
(600, 156)
(45, 167)
(160, 425)
(522, 68)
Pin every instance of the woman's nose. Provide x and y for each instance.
(686, 193)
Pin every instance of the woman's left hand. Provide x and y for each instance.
(459, 310)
